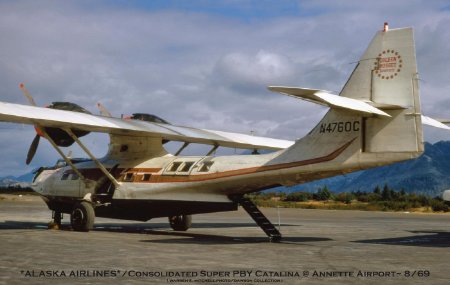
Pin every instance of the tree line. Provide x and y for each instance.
(385, 199)
(15, 189)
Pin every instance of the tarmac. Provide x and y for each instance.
(318, 247)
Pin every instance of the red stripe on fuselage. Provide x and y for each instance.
(93, 173)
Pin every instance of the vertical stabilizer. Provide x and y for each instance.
(386, 79)
(386, 72)
(386, 76)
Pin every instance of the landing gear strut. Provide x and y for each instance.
(181, 222)
(82, 217)
(56, 223)
(57, 217)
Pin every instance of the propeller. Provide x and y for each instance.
(59, 136)
(33, 148)
(103, 111)
(35, 143)
(27, 94)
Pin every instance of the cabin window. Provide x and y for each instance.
(146, 177)
(128, 176)
(174, 166)
(187, 166)
(65, 176)
(74, 176)
(206, 166)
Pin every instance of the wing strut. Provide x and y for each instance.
(215, 147)
(67, 160)
(182, 148)
(99, 165)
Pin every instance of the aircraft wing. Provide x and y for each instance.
(46, 117)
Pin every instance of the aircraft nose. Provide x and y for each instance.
(37, 187)
(40, 181)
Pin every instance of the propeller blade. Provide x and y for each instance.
(33, 148)
(27, 94)
(103, 111)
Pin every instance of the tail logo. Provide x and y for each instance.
(388, 64)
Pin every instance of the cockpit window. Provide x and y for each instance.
(65, 176)
(60, 163)
(74, 176)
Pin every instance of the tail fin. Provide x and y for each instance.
(386, 71)
(384, 79)
(386, 76)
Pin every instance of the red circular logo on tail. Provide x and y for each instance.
(388, 64)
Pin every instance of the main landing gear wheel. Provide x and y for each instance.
(181, 222)
(82, 217)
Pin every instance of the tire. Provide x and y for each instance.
(181, 222)
(82, 217)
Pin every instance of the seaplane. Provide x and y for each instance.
(375, 120)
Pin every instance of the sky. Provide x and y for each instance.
(203, 64)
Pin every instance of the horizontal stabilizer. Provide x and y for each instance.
(325, 98)
(434, 123)
(444, 121)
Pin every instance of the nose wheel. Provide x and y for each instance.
(82, 217)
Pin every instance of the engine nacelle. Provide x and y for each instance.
(60, 137)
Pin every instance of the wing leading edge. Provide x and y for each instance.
(46, 117)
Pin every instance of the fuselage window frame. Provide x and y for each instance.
(128, 177)
(206, 166)
(174, 166)
(146, 177)
(187, 165)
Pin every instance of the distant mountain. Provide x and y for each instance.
(22, 180)
(5, 181)
(27, 177)
(429, 174)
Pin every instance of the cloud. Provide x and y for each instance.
(202, 66)
(244, 71)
